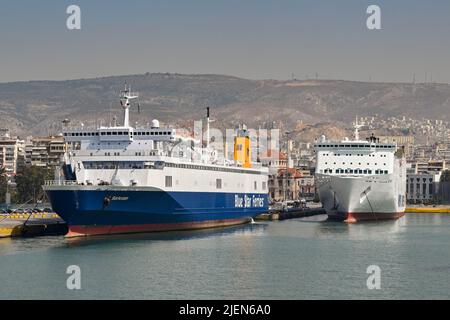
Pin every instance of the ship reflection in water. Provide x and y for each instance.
(250, 229)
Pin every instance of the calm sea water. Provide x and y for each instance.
(293, 259)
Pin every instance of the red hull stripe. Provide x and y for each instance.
(351, 217)
(80, 231)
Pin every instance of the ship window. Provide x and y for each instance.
(168, 181)
(264, 186)
(385, 172)
(219, 183)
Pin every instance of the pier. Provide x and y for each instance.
(291, 213)
(428, 209)
(31, 225)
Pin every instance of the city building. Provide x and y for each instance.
(274, 160)
(422, 187)
(284, 185)
(423, 181)
(10, 151)
(44, 151)
(405, 142)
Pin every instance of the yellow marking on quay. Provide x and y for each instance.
(427, 210)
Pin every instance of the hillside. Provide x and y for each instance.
(37, 107)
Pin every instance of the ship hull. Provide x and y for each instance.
(99, 211)
(361, 198)
(352, 217)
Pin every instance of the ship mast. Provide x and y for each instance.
(357, 127)
(125, 97)
(207, 127)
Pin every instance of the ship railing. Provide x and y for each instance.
(60, 182)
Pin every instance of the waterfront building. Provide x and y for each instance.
(422, 187)
(285, 185)
(9, 152)
(423, 181)
(44, 151)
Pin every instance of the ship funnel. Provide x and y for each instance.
(242, 148)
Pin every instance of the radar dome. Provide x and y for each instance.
(155, 123)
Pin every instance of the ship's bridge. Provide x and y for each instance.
(354, 157)
(120, 134)
(354, 145)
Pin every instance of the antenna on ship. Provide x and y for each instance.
(125, 97)
(357, 127)
(207, 127)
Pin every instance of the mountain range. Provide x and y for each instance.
(306, 106)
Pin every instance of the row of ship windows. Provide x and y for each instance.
(354, 146)
(108, 154)
(116, 133)
(357, 171)
(349, 155)
(358, 163)
(157, 165)
(169, 183)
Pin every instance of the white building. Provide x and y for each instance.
(10, 150)
(423, 181)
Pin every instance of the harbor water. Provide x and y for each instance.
(306, 258)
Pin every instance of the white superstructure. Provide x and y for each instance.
(127, 156)
(360, 179)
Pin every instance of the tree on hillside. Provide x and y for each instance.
(29, 183)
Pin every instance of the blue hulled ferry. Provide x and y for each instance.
(124, 179)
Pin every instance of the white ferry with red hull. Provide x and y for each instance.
(360, 180)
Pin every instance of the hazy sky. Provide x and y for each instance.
(248, 38)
